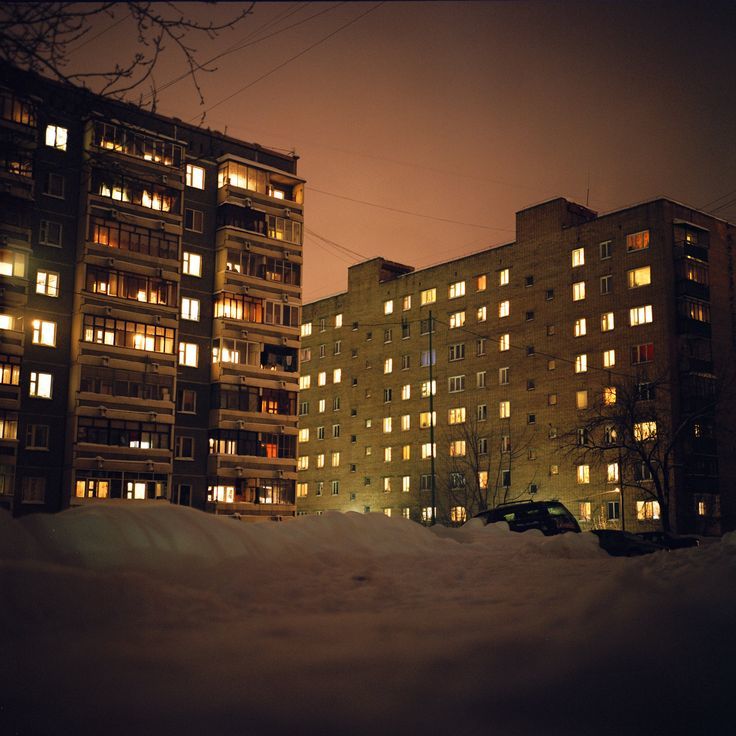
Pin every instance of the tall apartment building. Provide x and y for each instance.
(525, 340)
(150, 307)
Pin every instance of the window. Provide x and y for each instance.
(40, 385)
(528, 281)
(405, 483)
(503, 376)
(184, 448)
(186, 401)
(504, 342)
(578, 291)
(606, 284)
(483, 445)
(554, 469)
(503, 277)
(337, 375)
(388, 365)
(637, 277)
(481, 282)
(640, 315)
(605, 249)
(387, 395)
(549, 295)
(335, 459)
(427, 419)
(54, 185)
(506, 478)
(609, 358)
(504, 409)
(428, 296)
(34, 490)
(585, 511)
(302, 489)
(609, 395)
(406, 452)
(480, 346)
(645, 431)
(304, 434)
(405, 422)
(581, 363)
(406, 391)
(335, 487)
(529, 316)
(505, 443)
(612, 473)
(583, 474)
(455, 384)
(388, 306)
(306, 329)
(303, 408)
(188, 354)
(426, 359)
(302, 462)
(457, 319)
(322, 378)
(336, 403)
(457, 351)
(193, 220)
(44, 333)
(56, 137)
(387, 425)
(578, 257)
(456, 415)
(480, 379)
(580, 327)
(694, 309)
(190, 308)
(481, 412)
(457, 448)
(647, 510)
(320, 458)
(613, 510)
(504, 308)
(9, 370)
(429, 449)
(607, 322)
(406, 303)
(37, 437)
(427, 388)
(456, 290)
(530, 385)
(642, 353)
(551, 399)
(49, 233)
(338, 321)
(305, 381)
(637, 241)
(388, 335)
(610, 435)
(320, 433)
(644, 391)
(642, 471)
(195, 176)
(581, 399)
(192, 264)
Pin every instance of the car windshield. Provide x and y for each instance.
(556, 511)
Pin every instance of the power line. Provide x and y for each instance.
(408, 212)
(344, 248)
(97, 35)
(290, 59)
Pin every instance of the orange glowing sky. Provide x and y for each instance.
(464, 113)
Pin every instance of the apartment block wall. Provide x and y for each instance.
(522, 350)
(150, 308)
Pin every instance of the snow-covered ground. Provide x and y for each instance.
(123, 619)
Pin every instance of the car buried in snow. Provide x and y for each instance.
(550, 517)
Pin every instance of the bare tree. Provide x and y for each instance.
(479, 474)
(40, 37)
(641, 430)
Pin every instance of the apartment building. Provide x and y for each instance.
(476, 381)
(149, 309)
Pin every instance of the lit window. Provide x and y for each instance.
(387, 489)
(585, 510)
(429, 449)
(305, 381)
(406, 391)
(192, 265)
(428, 296)
(7, 321)
(457, 319)
(306, 329)
(405, 422)
(387, 452)
(188, 354)
(302, 462)
(428, 387)
(503, 277)
(388, 365)
(190, 309)
(386, 425)
(637, 241)
(195, 176)
(583, 474)
(304, 434)
(44, 333)
(335, 459)
(645, 431)
(388, 306)
(580, 327)
(578, 291)
(581, 363)
(607, 322)
(609, 395)
(609, 358)
(406, 303)
(504, 409)
(481, 282)
(647, 510)
(456, 290)
(47, 282)
(612, 473)
(637, 277)
(337, 375)
(427, 419)
(578, 257)
(302, 489)
(320, 460)
(504, 308)
(322, 378)
(338, 321)
(406, 452)
(640, 315)
(405, 483)
(456, 415)
(56, 137)
(40, 385)
(504, 342)
(581, 399)
(481, 314)
(12, 263)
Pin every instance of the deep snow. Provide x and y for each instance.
(157, 619)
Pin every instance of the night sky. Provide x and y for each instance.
(464, 113)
